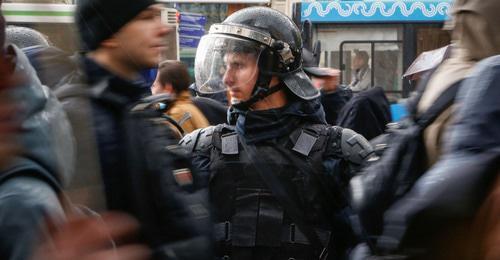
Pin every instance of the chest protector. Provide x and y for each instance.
(247, 213)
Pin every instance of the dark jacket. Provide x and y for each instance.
(99, 131)
(334, 102)
(214, 111)
(367, 113)
(132, 151)
(30, 185)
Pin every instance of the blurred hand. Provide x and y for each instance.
(90, 238)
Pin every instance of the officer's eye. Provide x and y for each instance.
(232, 66)
(239, 65)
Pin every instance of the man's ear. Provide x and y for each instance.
(168, 87)
(110, 43)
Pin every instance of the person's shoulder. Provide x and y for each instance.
(74, 83)
(200, 139)
(183, 107)
(348, 144)
(355, 148)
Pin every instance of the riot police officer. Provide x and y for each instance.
(276, 172)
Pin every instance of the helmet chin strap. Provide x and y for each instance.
(260, 91)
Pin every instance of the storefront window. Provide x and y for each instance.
(366, 55)
(373, 63)
(40, 1)
(215, 13)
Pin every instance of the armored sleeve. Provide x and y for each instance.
(198, 143)
(198, 140)
(346, 152)
(354, 147)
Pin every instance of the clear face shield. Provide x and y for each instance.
(226, 63)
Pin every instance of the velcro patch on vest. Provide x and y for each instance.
(230, 144)
(183, 176)
(305, 143)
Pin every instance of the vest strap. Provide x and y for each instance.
(289, 234)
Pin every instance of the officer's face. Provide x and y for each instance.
(141, 41)
(240, 77)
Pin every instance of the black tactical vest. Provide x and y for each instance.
(246, 212)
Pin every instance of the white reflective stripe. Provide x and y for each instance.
(242, 32)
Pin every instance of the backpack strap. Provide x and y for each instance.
(419, 90)
(443, 102)
(158, 104)
(76, 87)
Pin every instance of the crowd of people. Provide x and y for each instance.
(264, 156)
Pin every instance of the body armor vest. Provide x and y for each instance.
(246, 212)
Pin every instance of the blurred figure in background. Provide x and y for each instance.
(214, 111)
(472, 43)
(456, 152)
(37, 221)
(425, 63)
(51, 64)
(333, 95)
(361, 79)
(367, 113)
(173, 78)
(36, 151)
(450, 213)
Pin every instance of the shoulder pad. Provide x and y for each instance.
(355, 148)
(198, 139)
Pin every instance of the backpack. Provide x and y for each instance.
(400, 161)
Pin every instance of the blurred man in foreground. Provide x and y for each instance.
(127, 152)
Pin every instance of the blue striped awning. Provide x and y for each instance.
(376, 11)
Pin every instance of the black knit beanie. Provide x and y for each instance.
(98, 20)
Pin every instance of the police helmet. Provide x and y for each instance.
(24, 37)
(264, 35)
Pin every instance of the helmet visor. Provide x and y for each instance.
(225, 62)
